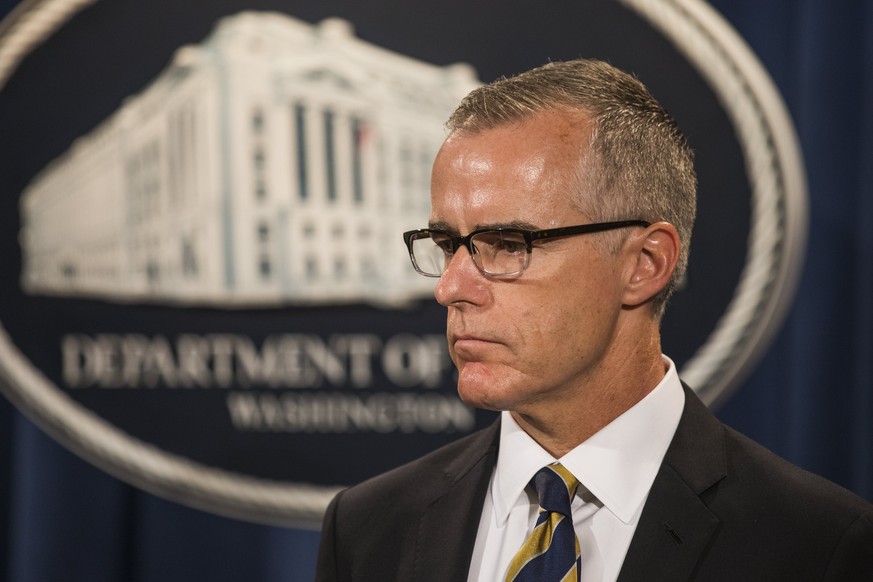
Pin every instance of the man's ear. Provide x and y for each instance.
(654, 253)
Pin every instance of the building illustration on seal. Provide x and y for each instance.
(275, 163)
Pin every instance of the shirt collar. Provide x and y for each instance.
(617, 464)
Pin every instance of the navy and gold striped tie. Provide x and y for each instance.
(551, 552)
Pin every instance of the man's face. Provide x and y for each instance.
(536, 339)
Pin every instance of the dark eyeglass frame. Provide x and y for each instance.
(529, 236)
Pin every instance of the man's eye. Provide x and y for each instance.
(444, 243)
(512, 246)
(501, 242)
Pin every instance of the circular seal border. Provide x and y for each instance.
(778, 229)
(776, 245)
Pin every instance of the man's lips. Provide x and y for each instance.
(467, 344)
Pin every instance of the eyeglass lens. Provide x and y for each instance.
(495, 252)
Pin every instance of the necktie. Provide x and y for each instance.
(551, 552)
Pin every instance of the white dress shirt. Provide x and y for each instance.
(616, 468)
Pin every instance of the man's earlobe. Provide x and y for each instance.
(655, 254)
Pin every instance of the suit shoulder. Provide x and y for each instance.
(793, 524)
(787, 523)
(742, 478)
(443, 466)
(777, 479)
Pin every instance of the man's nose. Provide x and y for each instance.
(461, 282)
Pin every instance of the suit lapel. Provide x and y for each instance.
(676, 526)
(447, 529)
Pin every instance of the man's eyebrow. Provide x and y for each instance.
(440, 225)
(446, 227)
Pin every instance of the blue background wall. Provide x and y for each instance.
(810, 399)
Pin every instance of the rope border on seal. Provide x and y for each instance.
(29, 24)
(777, 235)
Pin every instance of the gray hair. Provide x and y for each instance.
(638, 164)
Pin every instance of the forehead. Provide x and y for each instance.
(519, 172)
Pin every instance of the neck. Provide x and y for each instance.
(623, 378)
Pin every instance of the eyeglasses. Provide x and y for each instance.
(497, 252)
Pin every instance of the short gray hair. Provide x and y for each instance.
(638, 164)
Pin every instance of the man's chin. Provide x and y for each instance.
(477, 388)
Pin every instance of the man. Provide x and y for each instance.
(562, 206)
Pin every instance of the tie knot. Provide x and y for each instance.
(555, 487)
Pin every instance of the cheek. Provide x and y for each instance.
(539, 330)
(573, 321)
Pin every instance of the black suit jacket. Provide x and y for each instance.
(720, 508)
